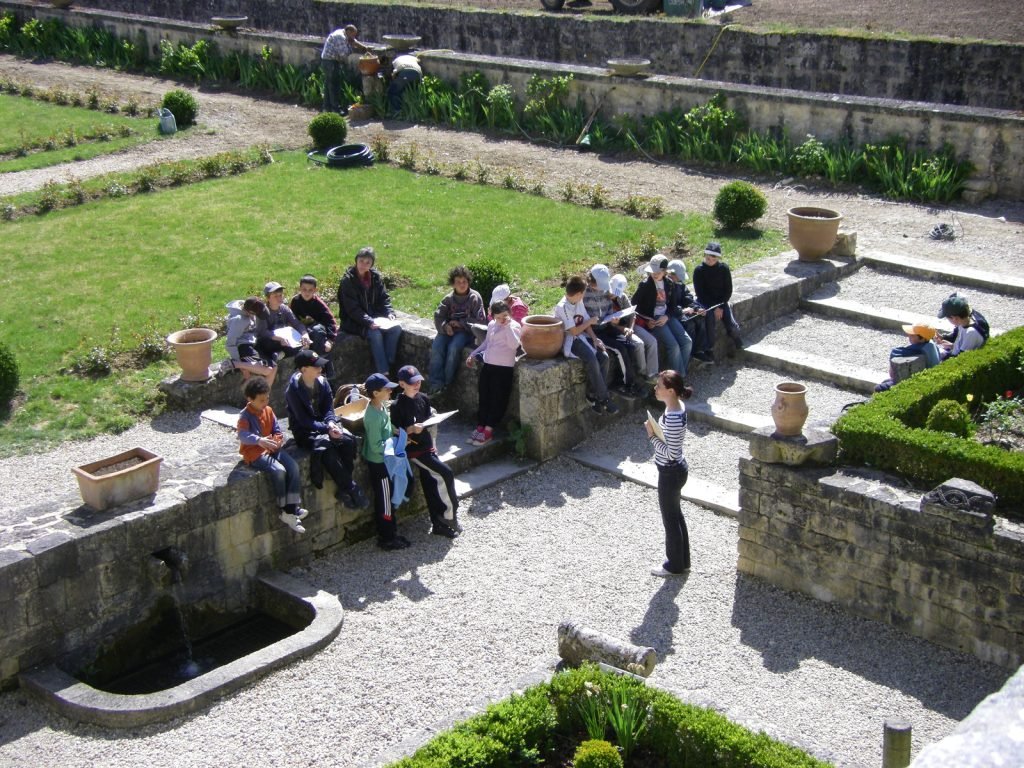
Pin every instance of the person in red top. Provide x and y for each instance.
(260, 440)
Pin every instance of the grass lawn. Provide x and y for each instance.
(76, 276)
(26, 121)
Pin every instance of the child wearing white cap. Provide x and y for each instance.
(647, 359)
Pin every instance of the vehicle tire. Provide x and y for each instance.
(636, 6)
(552, 5)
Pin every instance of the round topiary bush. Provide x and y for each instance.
(597, 754)
(949, 416)
(183, 105)
(738, 204)
(328, 130)
(8, 376)
(487, 274)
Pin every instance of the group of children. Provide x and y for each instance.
(596, 313)
(970, 331)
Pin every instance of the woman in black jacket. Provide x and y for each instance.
(365, 309)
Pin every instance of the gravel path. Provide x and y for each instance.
(431, 629)
(883, 290)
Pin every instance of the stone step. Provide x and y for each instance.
(993, 281)
(883, 299)
(820, 368)
(701, 492)
(484, 476)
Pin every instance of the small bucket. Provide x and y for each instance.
(167, 122)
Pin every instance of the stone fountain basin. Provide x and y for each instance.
(229, 22)
(629, 67)
(402, 42)
(278, 594)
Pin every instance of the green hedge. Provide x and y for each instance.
(526, 729)
(888, 432)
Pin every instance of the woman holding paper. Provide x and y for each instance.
(365, 309)
(666, 436)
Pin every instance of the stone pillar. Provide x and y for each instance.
(814, 447)
(905, 367)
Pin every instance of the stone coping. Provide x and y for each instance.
(277, 593)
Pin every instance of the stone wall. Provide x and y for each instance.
(943, 72)
(936, 567)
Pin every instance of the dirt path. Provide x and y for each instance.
(992, 235)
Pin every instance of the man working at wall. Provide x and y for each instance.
(340, 47)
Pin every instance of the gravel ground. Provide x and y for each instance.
(431, 629)
(884, 290)
(752, 389)
(838, 340)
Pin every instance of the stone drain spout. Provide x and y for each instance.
(175, 560)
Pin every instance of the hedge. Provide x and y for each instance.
(524, 730)
(888, 431)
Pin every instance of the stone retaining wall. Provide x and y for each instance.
(992, 140)
(936, 567)
(941, 72)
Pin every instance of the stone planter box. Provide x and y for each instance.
(118, 479)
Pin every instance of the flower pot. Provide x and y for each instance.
(194, 350)
(542, 336)
(118, 479)
(812, 231)
(789, 411)
(369, 65)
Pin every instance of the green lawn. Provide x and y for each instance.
(27, 121)
(139, 263)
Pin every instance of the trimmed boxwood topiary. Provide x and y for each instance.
(327, 130)
(889, 433)
(596, 753)
(488, 273)
(949, 416)
(183, 105)
(739, 204)
(8, 376)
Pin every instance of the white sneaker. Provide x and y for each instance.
(664, 573)
(292, 521)
(301, 513)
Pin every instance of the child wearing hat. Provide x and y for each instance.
(517, 308)
(653, 299)
(243, 327)
(647, 353)
(260, 441)
(688, 311)
(921, 338)
(377, 431)
(712, 282)
(617, 334)
(581, 341)
(970, 328)
(409, 410)
(279, 315)
(315, 427)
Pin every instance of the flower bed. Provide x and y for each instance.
(545, 725)
(888, 432)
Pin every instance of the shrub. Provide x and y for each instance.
(597, 754)
(327, 130)
(949, 416)
(739, 204)
(488, 273)
(8, 376)
(183, 106)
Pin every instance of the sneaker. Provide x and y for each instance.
(292, 521)
(485, 437)
(609, 407)
(439, 528)
(597, 406)
(664, 573)
(705, 357)
(477, 435)
(355, 498)
(301, 513)
(456, 525)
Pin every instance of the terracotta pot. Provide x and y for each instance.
(542, 336)
(103, 484)
(812, 231)
(789, 411)
(369, 65)
(194, 350)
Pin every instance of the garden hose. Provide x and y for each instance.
(344, 156)
(712, 49)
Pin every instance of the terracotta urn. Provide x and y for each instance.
(542, 336)
(789, 411)
(118, 479)
(812, 231)
(194, 350)
(369, 65)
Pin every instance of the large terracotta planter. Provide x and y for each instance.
(118, 479)
(812, 231)
(369, 65)
(789, 411)
(194, 350)
(542, 336)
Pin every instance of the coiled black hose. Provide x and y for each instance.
(345, 156)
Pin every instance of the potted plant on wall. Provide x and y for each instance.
(116, 480)
(812, 231)
(193, 349)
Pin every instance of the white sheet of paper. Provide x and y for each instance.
(437, 418)
(655, 426)
(617, 315)
(384, 323)
(289, 336)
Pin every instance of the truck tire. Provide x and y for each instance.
(636, 6)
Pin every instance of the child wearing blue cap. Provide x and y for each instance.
(377, 430)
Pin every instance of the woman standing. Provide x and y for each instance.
(672, 470)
